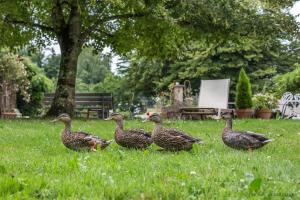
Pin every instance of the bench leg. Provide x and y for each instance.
(88, 114)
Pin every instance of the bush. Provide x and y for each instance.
(39, 84)
(13, 73)
(243, 97)
(288, 82)
(266, 100)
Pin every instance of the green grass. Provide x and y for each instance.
(34, 164)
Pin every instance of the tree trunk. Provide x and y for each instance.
(64, 98)
(70, 42)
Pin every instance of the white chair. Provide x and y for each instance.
(285, 100)
(214, 94)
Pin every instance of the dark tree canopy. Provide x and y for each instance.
(160, 29)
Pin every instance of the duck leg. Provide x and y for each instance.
(250, 149)
(93, 146)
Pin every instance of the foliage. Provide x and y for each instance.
(39, 84)
(243, 91)
(210, 171)
(13, 73)
(117, 86)
(211, 56)
(159, 29)
(288, 82)
(266, 100)
(263, 58)
(51, 65)
(92, 68)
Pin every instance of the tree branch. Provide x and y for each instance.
(110, 18)
(57, 15)
(28, 24)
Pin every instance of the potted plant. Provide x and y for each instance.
(264, 103)
(243, 99)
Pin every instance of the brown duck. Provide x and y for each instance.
(241, 140)
(170, 139)
(79, 140)
(131, 138)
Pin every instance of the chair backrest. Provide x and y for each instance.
(286, 97)
(297, 97)
(214, 94)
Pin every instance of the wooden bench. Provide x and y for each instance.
(8, 115)
(194, 112)
(100, 103)
(199, 113)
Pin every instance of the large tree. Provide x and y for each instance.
(73, 23)
(264, 47)
(152, 28)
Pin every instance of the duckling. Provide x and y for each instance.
(131, 138)
(79, 140)
(170, 139)
(241, 140)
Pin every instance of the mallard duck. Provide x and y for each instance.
(79, 140)
(241, 140)
(131, 138)
(170, 139)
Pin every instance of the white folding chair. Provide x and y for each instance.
(214, 94)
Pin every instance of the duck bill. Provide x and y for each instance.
(107, 119)
(55, 120)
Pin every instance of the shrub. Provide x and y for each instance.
(243, 97)
(13, 73)
(288, 82)
(39, 84)
(266, 100)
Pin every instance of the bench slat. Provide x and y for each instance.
(97, 100)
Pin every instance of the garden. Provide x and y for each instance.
(149, 99)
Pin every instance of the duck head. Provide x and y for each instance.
(154, 118)
(228, 118)
(227, 115)
(65, 118)
(115, 116)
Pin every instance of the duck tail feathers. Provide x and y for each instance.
(198, 141)
(105, 143)
(267, 141)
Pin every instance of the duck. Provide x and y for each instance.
(241, 140)
(131, 138)
(79, 141)
(170, 139)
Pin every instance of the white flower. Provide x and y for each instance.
(193, 173)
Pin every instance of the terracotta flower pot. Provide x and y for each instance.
(264, 113)
(244, 113)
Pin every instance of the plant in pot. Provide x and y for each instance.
(243, 99)
(264, 103)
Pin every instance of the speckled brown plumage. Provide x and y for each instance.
(79, 141)
(171, 139)
(131, 138)
(242, 140)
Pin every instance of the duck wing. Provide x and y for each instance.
(134, 138)
(87, 137)
(244, 140)
(139, 133)
(180, 134)
(257, 136)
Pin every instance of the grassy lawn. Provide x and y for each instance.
(34, 164)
